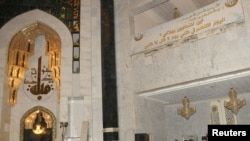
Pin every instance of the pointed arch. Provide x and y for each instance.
(22, 46)
(8, 31)
(39, 17)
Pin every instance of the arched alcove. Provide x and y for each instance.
(29, 46)
(43, 22)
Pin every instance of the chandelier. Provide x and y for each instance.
(234, 104)
(39, 125)
(186, 111)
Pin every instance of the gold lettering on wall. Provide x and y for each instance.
(202, 23)
(185, 30)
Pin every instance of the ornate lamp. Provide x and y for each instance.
(186, 111)
(234, 104)
(39, 125)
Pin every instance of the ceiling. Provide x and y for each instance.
(202, 90)
(148, 14)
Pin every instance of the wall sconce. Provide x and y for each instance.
(64, 126)
(231, 3)
(186, 111)
(234, 104)
(138, 37)
(176, 13)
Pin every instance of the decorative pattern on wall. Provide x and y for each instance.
(220, 114)
(68, 11)
(22, 48)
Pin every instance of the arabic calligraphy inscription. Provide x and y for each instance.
(38, 82)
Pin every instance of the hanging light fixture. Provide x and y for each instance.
(234, 104)
(39, 125)
(186, 111)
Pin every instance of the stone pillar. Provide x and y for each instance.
(109, 88)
